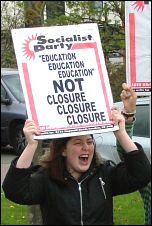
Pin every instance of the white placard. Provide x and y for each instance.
(64, 79)
(138, 46)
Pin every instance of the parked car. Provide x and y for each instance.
(116, 58)
(13, 110)
(106, 142)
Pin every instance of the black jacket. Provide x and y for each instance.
(87, 201)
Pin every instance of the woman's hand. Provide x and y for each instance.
(30, 129)
(118, 119)
(128, 97)
(121, 134)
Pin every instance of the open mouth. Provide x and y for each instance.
(84, 158)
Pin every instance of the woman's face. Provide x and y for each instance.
(79, 153)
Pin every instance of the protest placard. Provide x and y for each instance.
(64, 79)
(138, 46)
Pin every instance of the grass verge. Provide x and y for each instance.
(12, 213)
(128, 209)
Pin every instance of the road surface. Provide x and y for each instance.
(6, 157)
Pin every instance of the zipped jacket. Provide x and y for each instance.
(87, 201)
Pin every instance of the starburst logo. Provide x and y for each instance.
(138, 5)
(28, 52)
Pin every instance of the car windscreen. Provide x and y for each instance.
(142, 123)
(14, 85)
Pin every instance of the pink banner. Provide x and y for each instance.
(138, 45)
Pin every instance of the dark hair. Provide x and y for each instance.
(53, 160)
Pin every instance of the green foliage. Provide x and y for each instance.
(54, 9)
(12, 16)
(8, 58)
(112, 33)
(116, 73)
(33, 11)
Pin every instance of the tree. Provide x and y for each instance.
(54, 9)
(75, 12)
(111, 32)
(116, 30)
(33, 13)
(11, 18)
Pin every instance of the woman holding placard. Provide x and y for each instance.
(74, 186)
